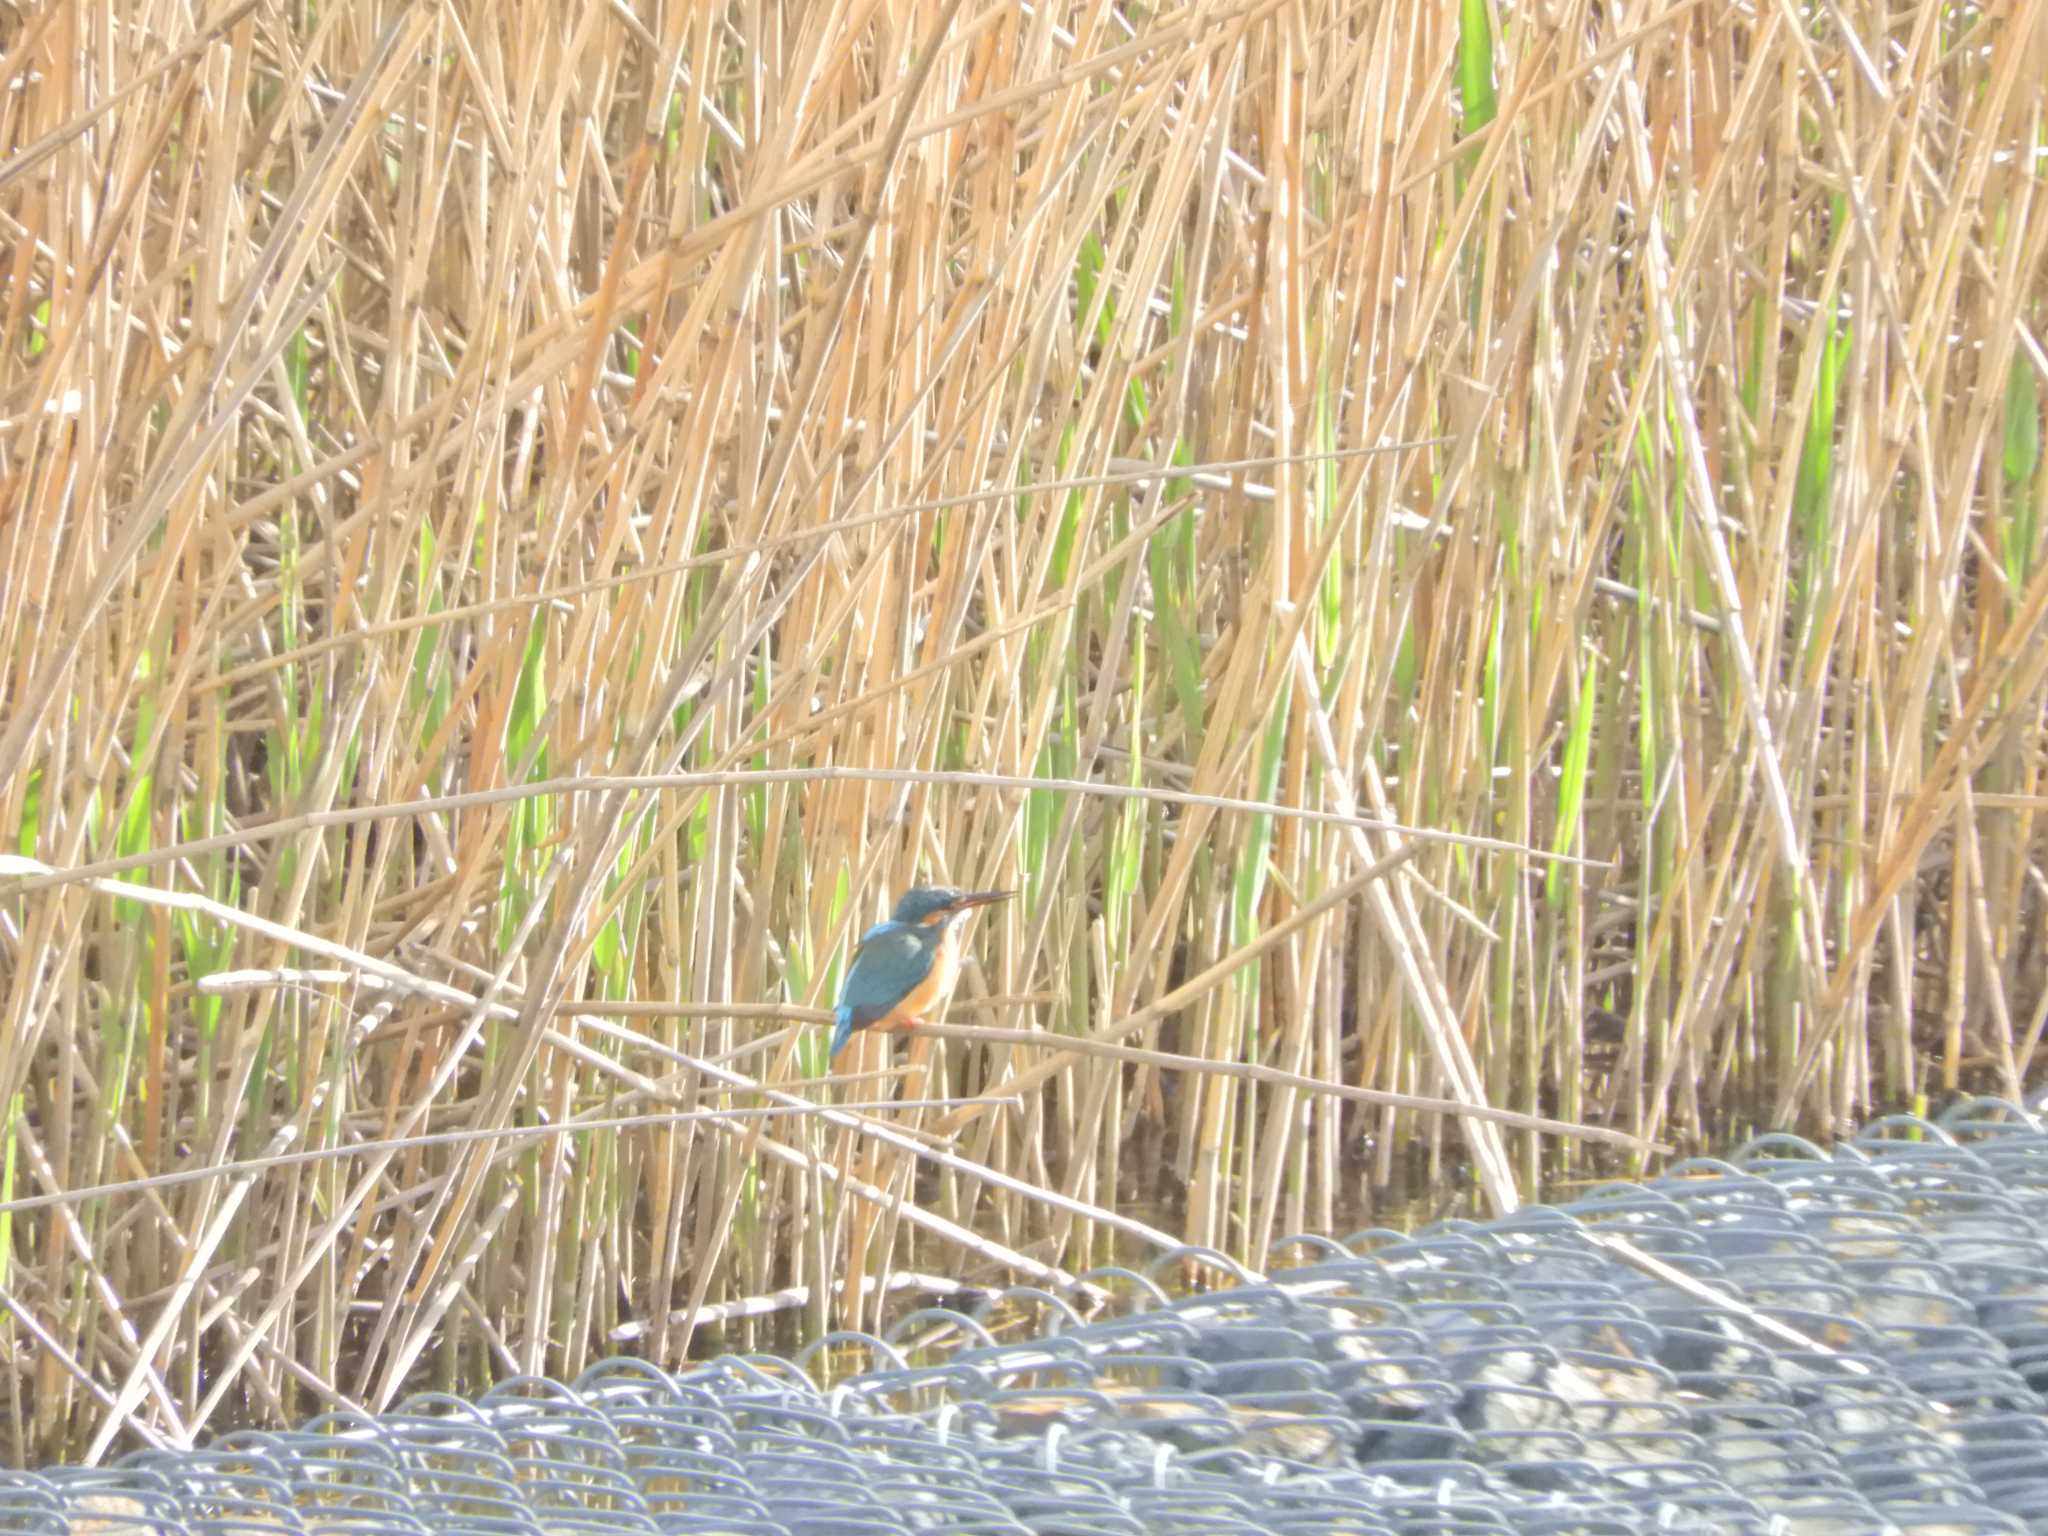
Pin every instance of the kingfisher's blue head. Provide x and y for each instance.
(930, 905)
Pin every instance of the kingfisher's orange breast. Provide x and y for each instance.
(930, 994)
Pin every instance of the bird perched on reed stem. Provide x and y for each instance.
(904, 969)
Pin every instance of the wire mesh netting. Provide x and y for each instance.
(1520, 1375)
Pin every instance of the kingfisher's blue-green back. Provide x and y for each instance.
(892, 959)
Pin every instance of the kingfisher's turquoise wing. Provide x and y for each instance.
(890, 961)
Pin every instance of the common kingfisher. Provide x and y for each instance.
(905, 968)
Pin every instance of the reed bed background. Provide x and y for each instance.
(525, 526)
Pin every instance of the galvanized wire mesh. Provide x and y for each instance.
(1509, 1376)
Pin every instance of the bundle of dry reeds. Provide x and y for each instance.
(1473, 563)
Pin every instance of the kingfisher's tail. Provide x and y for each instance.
(842, 1028)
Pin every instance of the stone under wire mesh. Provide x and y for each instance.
(1504, 1376)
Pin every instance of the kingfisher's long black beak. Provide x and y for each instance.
(979, 899)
